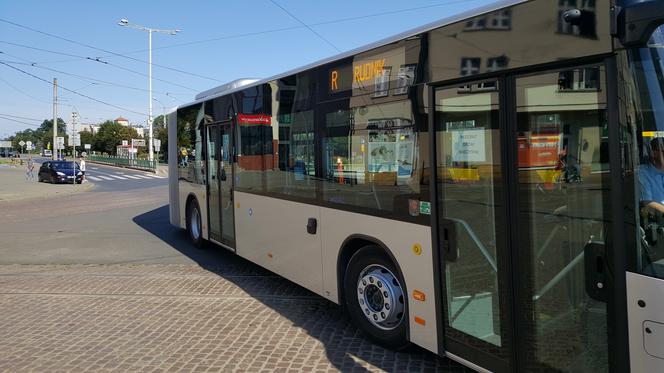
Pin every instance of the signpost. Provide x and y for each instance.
(157, 147)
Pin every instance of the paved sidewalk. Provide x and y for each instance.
(173, 318)
(14, 186)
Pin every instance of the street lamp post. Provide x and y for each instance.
(126, 23)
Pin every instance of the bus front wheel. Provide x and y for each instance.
(375, 297)
(194, 223)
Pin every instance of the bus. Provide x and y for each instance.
(488, 187)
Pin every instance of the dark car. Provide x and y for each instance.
(60, 172)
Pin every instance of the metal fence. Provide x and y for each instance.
(143, 164)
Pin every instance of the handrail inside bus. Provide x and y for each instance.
(557, 278)
(487, 255)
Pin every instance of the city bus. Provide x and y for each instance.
(488, 187)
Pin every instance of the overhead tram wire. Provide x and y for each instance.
(98, 59)
(86, 78)
(25, 93)
(107, 51)
(305, 25)
(19, 121)
(72, 91)
(20, 117)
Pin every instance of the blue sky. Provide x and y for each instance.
(252, 38)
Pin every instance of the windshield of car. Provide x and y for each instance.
(61, 166)
(643, 97)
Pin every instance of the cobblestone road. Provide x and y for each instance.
(162, 318)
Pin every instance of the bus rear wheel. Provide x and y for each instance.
(194, 223)
(375, 297)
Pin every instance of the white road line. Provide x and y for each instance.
(132, 177)
(118, 177)
(93, 178)
(154, 176)
(105, 177)
(144, 177)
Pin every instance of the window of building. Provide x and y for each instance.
(579, 79)
(382, 82)
(405, 78)
(501, 20)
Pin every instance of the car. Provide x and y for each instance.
(60, 172)
(47, 153)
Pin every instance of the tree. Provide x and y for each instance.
(160, 132)
(41, 136)
(111, 134)
(87, 138)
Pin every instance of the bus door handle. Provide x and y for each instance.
(312, 225)
(448, 240)
(596, 271)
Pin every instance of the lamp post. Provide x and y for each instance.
(126, 23)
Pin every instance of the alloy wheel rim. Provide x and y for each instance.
(380, 297)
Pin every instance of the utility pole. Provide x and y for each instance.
(126, 23)
(55, 120)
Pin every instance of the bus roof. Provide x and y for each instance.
(224, 88)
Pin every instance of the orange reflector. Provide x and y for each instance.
(269, 255)
(418, 295)
(420, 320)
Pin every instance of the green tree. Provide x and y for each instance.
(110, 135)
(87, 138)
(160, 132)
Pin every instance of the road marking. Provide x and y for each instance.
(154, 176)
(118, 177)
(132, 177)
(144, 177)
(93, 178)
(105, 177)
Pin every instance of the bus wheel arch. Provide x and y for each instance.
(194, 221)
(352, 260)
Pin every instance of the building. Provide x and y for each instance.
(122, 121)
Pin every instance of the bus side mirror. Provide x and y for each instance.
(637, 22)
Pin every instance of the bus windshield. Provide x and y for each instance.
(644, 100)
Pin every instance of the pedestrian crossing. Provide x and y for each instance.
(96, 176)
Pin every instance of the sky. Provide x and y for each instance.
(102, 68)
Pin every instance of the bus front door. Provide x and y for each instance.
(522, 213)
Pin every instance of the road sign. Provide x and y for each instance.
(157, 144)
(76, 140)
(138, 142)
(87, 146)
(5, 144)
(60, 142)
(125, 143)
(29, 144)
(21, 142)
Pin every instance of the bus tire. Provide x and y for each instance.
(194, 224)
(375, 297)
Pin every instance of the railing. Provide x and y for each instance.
(143, 164)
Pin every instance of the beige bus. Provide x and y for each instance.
(488, 187)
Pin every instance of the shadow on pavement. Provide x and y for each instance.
(320, 318)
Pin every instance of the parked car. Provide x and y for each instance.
(60, 172)
(47, 153)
